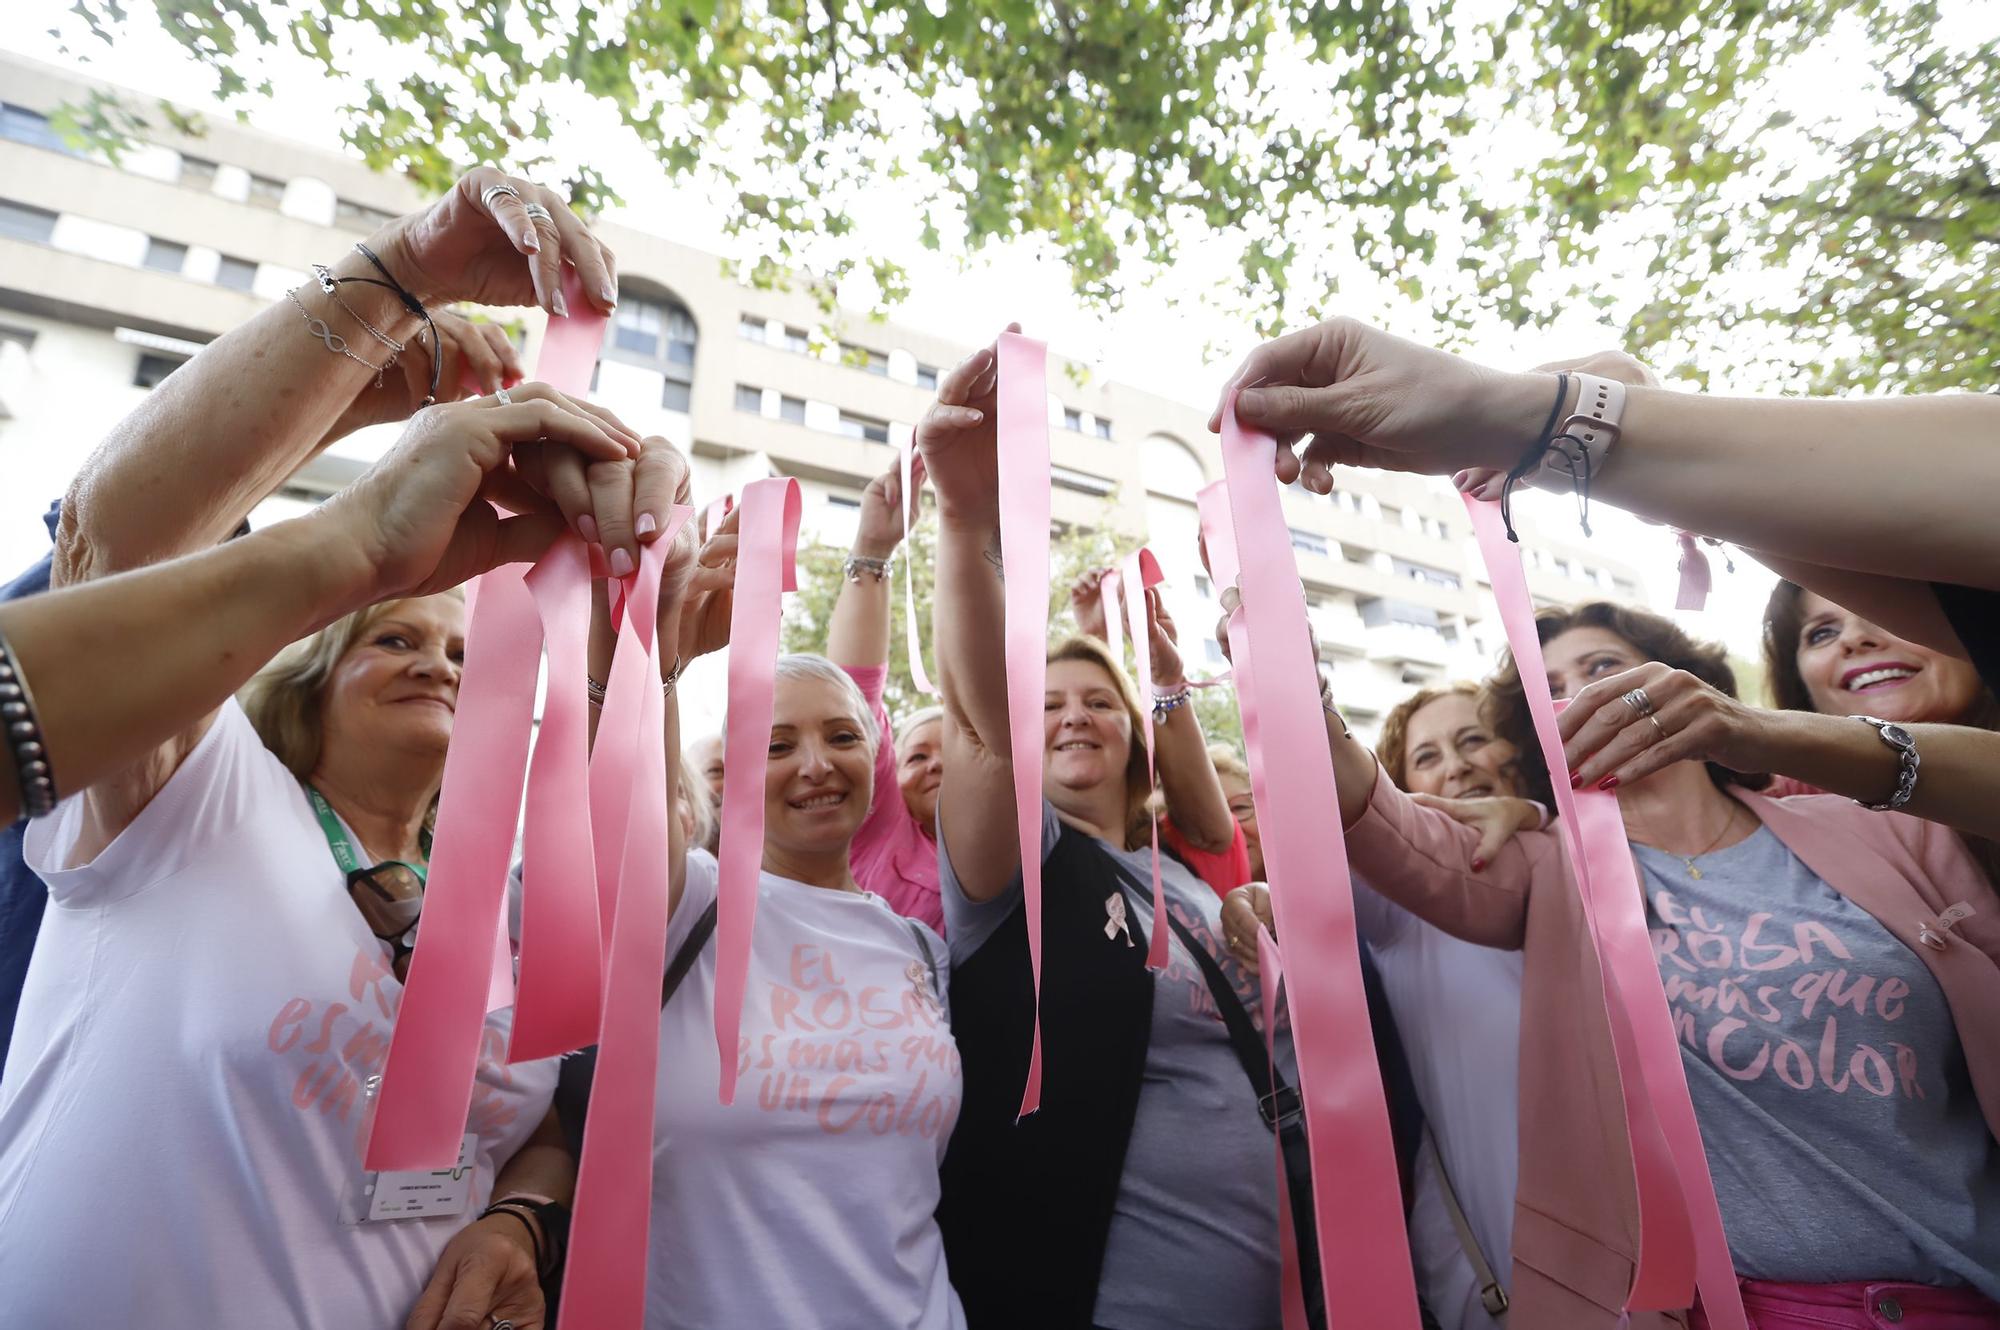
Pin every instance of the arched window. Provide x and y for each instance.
(1171, 467)
(652, 329)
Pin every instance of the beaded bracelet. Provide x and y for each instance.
(858, 564)
(24, 738)
(1166, 704)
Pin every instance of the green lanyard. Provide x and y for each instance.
(342, 844)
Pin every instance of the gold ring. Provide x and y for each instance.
(1659, 728)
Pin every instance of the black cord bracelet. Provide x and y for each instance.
(515, 1213)
(1533, 457)
(410, 302)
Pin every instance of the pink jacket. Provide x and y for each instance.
(1575, 1214)
(892, 854)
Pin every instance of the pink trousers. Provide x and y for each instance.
(1866, 1306)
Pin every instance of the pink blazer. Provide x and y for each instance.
(1575, 1214)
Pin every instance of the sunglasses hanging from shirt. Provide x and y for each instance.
(389, 894)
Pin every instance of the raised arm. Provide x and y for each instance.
(858, 632)
(1187, 777)
(976, 801)
(1808, 480)
(204, 623)
(223, 431)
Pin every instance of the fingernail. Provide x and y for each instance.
(1478, 864)
(1249, 401)
(647, 524)
(586, 526)
(1575, 781)
(621, 563)
(534, 243)
(1608, 783)
(608, 291)
(561, 306)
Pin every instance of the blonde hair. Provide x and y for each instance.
(1138, 792)
(1391, 748)
(701, 801)
(809, 665)
(908, 725)
(286, 700)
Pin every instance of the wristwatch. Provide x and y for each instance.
(1907, 759)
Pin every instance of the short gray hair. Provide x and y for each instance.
(807, 665)
(922, 716)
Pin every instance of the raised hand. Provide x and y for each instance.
(478, 357)
(882, 508)
(1086, 603)
(958, 443)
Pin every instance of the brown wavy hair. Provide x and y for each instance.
(1503, 704)
(1390, 748)
(1137, 789)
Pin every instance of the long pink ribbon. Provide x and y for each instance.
(1140, 572)
(434, 1051)
(1364, 1250)
(1022, 424)
(1291, 1280)
(766, 568)
(561, 949)
(905, 459)
(1681, 1240)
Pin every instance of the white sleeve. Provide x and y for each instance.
(225, 783)
(1380, 921)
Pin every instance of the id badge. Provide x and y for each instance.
(373, 1198)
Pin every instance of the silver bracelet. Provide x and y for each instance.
(328, 284)
(859, 563)
(1907, 759)
(334, 341)
(594, 688)
(24, 738)
(1166, 704)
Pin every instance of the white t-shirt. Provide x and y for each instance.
(1458, 1010)
(810, 1203)
(181, 1114)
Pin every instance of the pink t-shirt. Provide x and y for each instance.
(893, 855)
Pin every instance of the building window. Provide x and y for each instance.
(749, 399)
(843, 501)
(657, 332)
(1417, 572)
(165, 255)
(359, 216)
(32, 128)
(197, 172)
(677, 396)
(749, 329)
(266, 192)
(863, 427)
(860, 357)
(1073, 420)
(236, 274)
(1626, 590)
(1392, 515)
(20, 222)
(1101, 427)
(1081, 481)
(153, 368)
(927, 377)
(792, 409)
(1306, 542)
(797, 340)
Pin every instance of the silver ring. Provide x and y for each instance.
(536, 212)
(492, 192)
(500, 1322)
(1660, 729)
(1642, 705)
(502, 396)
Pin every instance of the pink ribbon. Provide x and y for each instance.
(1141, 571)
(605, 1284)
(1697, 579)
(1022, 425)
(905, 459)
(1681, 1241)
(766, 568)
(1364, 1251)
(1291, 1280)
(434, 1050)
(711, 517)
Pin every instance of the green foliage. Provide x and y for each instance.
(1854, 251)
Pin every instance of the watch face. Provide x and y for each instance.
(1898, 736)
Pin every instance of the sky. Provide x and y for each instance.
(1157, 340)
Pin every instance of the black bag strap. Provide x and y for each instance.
(1277, 1102)
(579, 1070)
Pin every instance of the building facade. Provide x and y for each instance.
(113, 272)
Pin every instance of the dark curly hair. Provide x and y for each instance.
(1504, 705)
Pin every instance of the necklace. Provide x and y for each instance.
(1688, 859)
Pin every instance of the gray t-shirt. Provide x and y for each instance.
(1843, 1133)
(1194, 1238)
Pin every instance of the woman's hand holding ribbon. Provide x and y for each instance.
(1086, 603)
(957, 443)
(880, 529)
(1243, 910)
(1624, 728)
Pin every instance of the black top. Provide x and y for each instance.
(1975, 617)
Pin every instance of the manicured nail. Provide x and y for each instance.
(1608, 783)
(561, 306)
(647, 524)
(586, 526)
(1478, 865)
(608, 291)
(534, 243)
(1575, 781)
(621, 563)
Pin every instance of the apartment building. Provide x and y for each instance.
(113, 272)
